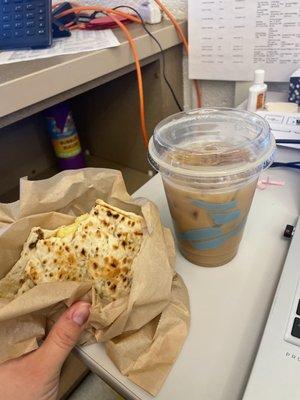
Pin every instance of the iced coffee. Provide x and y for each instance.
(209, 226)
(210, 162)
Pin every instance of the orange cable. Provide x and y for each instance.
(76, 26)
(109, 11)
(68, 24)
(198, 93)
(137, 20)
(139, 78)
(185, 44)
(100, 9)
(175, 23)
(134, 52)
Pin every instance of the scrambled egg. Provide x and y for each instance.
(71, 229)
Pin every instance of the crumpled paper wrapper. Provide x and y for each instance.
(144, 331)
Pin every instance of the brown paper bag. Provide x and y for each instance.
(136, 329)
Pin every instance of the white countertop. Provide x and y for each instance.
(229, 304)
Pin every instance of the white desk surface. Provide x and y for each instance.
(229, 304)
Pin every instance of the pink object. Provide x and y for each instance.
(106, 22)
(261, 185)
(264, 183)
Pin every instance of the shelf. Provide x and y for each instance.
(31, 86)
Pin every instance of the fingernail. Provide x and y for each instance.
(81, 314)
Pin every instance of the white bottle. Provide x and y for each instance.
(257, 92)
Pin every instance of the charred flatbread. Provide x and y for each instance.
(99, 247)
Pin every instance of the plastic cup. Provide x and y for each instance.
(210, 161)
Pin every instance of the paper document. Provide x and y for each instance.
(78, 42)
(230, 39)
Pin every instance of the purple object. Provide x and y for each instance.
(75, 162)
(64, 137)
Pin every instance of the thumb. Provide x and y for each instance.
(64, 335)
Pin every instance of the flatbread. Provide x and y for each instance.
(99, 247)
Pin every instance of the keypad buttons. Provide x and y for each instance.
(6, 35)
(24, 23)
(19, 33)
(6, 9)
(30, 32)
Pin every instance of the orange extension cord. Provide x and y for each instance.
(132, 44)
(105, 10)
(108, 11)
(139, 78)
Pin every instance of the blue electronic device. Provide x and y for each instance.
(25, 24)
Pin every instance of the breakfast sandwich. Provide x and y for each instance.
(99, 247)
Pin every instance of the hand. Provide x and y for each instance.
(36, 376)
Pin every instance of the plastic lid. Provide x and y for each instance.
(212, 144)
(259, 76)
